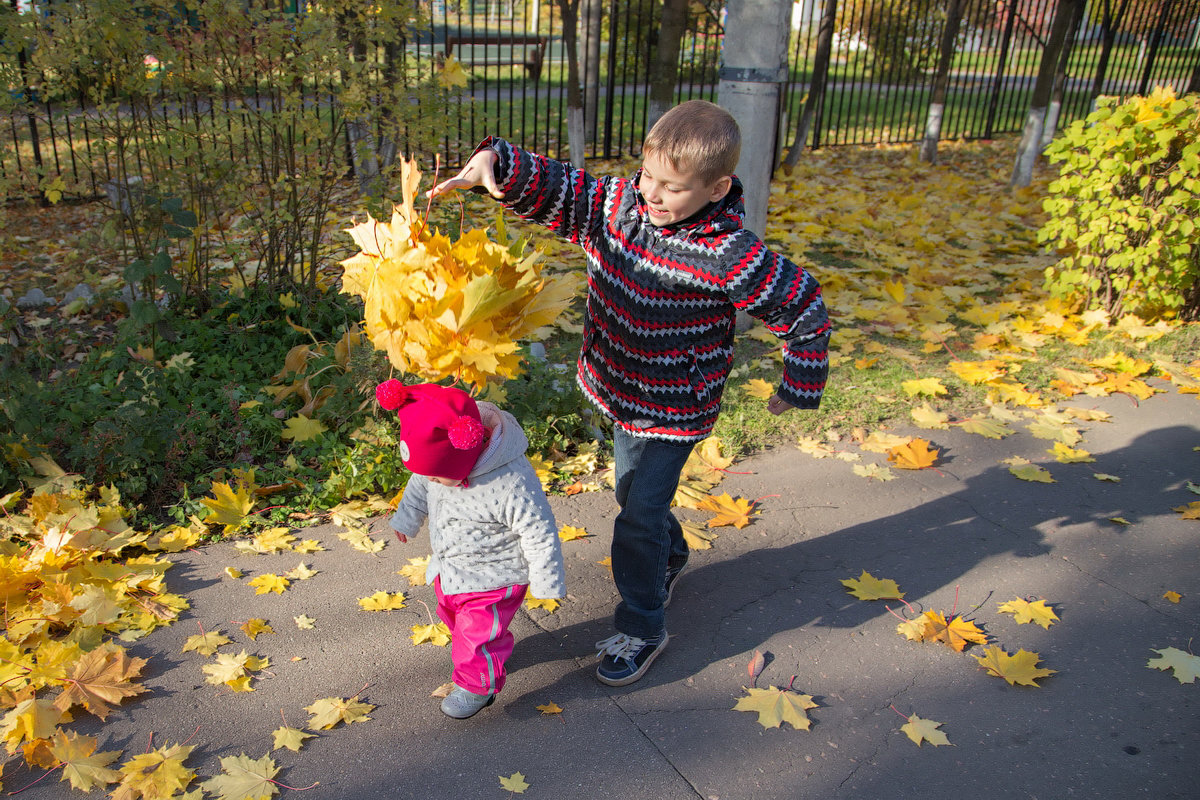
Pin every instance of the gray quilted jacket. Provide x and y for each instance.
(496, 531)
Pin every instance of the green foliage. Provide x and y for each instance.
(1123, 209)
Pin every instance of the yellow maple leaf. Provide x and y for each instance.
(1185, 666)
(435, 634)
(1172, 596)
(100, 677)
(927, 417)
(301, 429)
(415, 570)
(924, 730)
(697, 538)
(30, 720)
(1025, 612)
(549, 708)
(304, 622)
(916, 454)
(159, 773)
(514, 783)
(569, 533)
(729, 510)
(707, 462)
(955, 633)
(206, 643)
(291, 738)
(244, 778)
(1069, 455)
(775, 706)
(82, 765)
(382, 601)
(894, 288)
(1020, 667)
(874, 472)
(228, 506)
(329, 711)
(977, 372)
(269, 582)
(255, 626)
(1031, 472)
(1189, 510)
(988, 428)
(867, 587)
(925, 387)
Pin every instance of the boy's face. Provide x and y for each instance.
(673, 196)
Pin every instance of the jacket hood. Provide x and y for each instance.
(507, 444)
(723, 216)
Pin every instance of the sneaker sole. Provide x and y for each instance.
(491, 700)
(637, 675)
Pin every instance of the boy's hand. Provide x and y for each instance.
(403, 539)
(777, 405)
(479, 171)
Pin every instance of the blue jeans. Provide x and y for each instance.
(645, 533)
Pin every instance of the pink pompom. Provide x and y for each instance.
(466, 433)
(391, 394)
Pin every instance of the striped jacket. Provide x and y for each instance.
(662, 301)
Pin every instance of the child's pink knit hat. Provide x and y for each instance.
(441, 435)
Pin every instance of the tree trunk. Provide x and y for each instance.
(576, 131)
(941, 83)
(593, 29)
(1108, 27)
(816, 87)
(1035, 122)
(664, 69)
(1060, 77)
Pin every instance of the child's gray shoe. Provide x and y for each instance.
(461, 704)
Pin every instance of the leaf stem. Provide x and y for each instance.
(39, 780)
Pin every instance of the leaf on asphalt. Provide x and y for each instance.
(1172, 596)
(382, 601)
(1189, 510)
(1047, 427)
(1103, 476)
(82, 766)
(329, 711)
(549, 708)
(697, 538)
(1024, 612)
(100, 677)
(756, 665)
(415, 570)
(775, 706)
(929, 418)
(206, 643)
(304, 622)
(956, 633)
(1020, 667)
(916, 454)
(873, 472)
(1028, 471)
(988, 428)
(814, 447)
(569, 533)
(514, 783)
(269, 582)
(234, 671)
(359, 540)
(158, 774)
(308, 546)
(254, 626)
(867, 587)
(1185, 666)
(436, 634)
(244, 778)
(271, 540)
(1069, 455)
(882, 441)
(707, 462)
(549, 605)
(924, 730)
(300, 572)
(729, 510)
(234, 573)
(30, 721)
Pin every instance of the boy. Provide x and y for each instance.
(669, 267)
(490, 526)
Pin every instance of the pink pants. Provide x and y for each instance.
(480, 641)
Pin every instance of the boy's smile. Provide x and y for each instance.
(673, 196)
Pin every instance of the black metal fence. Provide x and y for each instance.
(878, 86)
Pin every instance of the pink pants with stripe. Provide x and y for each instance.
(480, 641)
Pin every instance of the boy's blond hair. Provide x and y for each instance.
(697, 137)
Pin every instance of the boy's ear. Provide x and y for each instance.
(720, 188)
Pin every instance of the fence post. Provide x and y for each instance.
(998, 82)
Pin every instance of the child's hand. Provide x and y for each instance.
(478, 172)
(403, 539)
(777, 405)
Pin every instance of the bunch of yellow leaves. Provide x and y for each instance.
(443, 309)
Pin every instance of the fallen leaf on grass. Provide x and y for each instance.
(1185, 665)
(924, 730)
(757, 387)
(924, 387)
(1020, 667)
(1024, 612)
(775, 706)
(868, 587)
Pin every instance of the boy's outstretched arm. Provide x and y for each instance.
(479, 171)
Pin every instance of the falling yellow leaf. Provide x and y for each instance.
(452, 74)
(757, 387)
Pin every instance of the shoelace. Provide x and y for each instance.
(621, 645)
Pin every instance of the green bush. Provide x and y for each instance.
(1123, 209)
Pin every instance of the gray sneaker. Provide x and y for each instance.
(461, 704)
